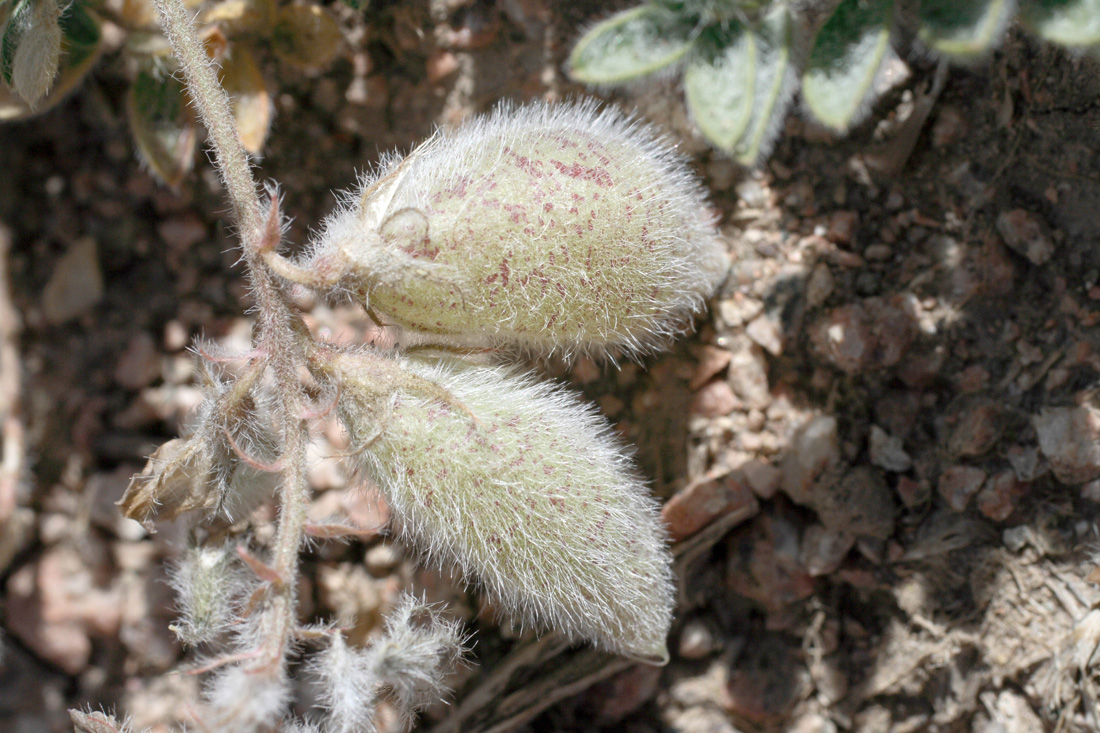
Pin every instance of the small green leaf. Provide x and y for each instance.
(849, 50)
(1072, 23)
(963, 29)
(774, 87)
(163, 125)
(80, 48)
(16, 28)
(630, 45)
(719, 83)
(39, 54)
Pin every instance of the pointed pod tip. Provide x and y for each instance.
(656, 655)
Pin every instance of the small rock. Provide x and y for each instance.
(823, 549)
(696, 640)
(381, 559)
(763, 563)
(752, 193)
(972, 379)
(139, 365)
(958, 483)
(856, 502)
(913, 493)
(765, 331)
(714, 400)
(978, 427)
(888, 451)
(739, 310)
(813, 448)
(819, 286)
(748, 377)
(842, 224)
(878, 253)
(55, 607)
(176, 336)
(1017, 538)
(699, 504)
(1026, 462)
(872, 334)
(76, 284)
(712, 361)
(440, 64)
(998, 499)
(763, 478)
(585, 370)
(1025, 235)
(1070, 439)
(921, 368)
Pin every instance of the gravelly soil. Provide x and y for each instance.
(892, 404)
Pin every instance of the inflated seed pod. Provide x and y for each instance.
(520, 486)
(550, 227)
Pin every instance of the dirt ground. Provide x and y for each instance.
(880, 451)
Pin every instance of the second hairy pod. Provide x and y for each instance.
(519, 485)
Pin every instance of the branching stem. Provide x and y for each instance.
(279, 331)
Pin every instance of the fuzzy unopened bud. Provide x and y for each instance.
(347, 687)
(420, 648)
(546, 227)
(240, 698)
(524, 488)
(209, 583)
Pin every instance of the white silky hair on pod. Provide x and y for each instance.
(519, 485)
(555, 228)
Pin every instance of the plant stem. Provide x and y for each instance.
(280, 335)
(212, 103)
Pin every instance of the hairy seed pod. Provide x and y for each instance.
(549, 227)
(518, 484)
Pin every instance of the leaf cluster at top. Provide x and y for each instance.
(742, 60)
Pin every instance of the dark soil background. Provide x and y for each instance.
(880, 451)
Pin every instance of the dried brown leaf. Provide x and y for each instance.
(172, 482)
(241, 77)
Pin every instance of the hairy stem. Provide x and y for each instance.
(280, 334)
(212, 103)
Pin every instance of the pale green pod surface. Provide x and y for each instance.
(546, 227)
(518, 484)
